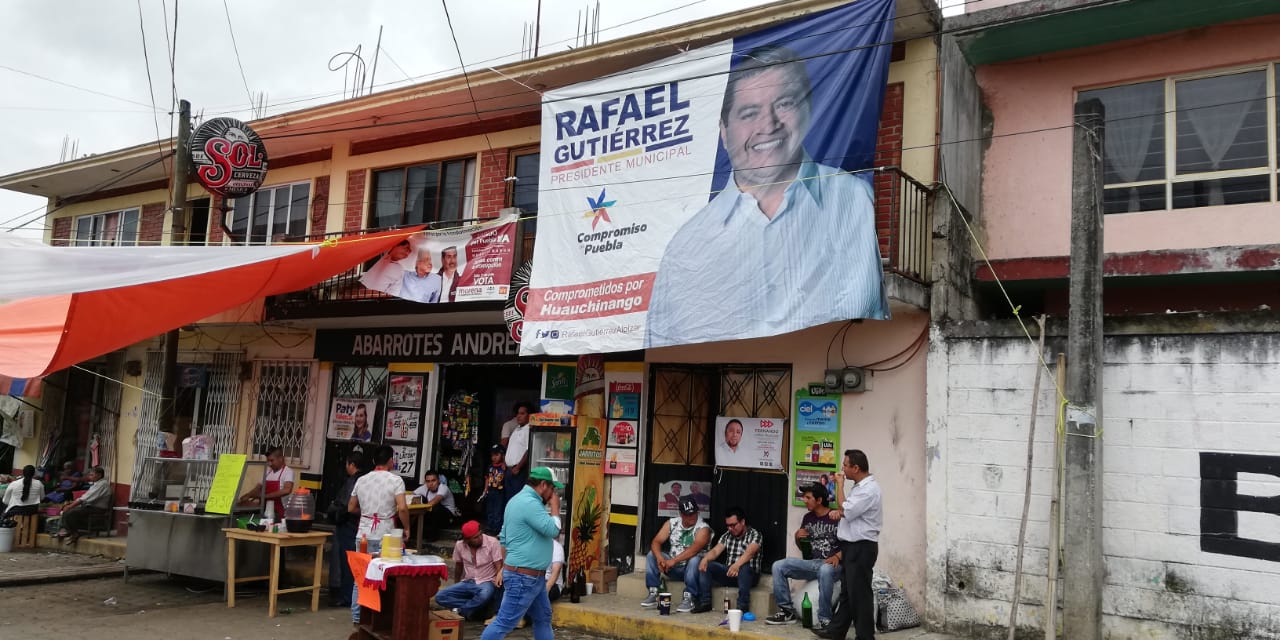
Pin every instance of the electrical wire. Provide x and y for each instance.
(73, 86)
(41, 214)
(466, 78)
(234, 47)
(146, 60)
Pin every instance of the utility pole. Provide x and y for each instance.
(1084, 571)
(177, 236)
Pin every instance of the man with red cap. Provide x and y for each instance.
(477, 571)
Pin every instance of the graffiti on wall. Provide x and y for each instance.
(1221, 503)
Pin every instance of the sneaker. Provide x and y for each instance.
(783, 616)
(701, 608)
(652, 600)
(686, 603)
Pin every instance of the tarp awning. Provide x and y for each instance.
(73, 304)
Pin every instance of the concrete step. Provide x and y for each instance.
(112, 547)
(631, 587)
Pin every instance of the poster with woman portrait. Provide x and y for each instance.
(352, 419)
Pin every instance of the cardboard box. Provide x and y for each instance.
(605, 579)
(445, 625)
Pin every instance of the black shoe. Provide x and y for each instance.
(823, 632)
(701, 607)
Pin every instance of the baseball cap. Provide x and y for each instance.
(688, 506)
(497, 448)
(543, 473)
(470, 529)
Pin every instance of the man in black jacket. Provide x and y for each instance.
(344, 535)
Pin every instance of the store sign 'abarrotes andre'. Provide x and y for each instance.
(229, 157)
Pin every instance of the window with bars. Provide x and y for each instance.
(359, 382)
(111, 229)
(282, 392)
(686, 401)
(270, 213)
(435, 192)
(1190, 141)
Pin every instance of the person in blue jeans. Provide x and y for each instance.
(689, 536)
(740, 545)
(819, 531)
(477, 561)
(345, 525)
(528, 529)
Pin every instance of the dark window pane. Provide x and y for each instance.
(129, 228)
(421, 193)
(84, 231)
(279, 212)
(240, 218)
(388, 191)
(1134, 141)
(261, 216)
(299, 201)
(1205, 193)
(1130, 199)
(451, 191)
(1222, 122)
(525, 193)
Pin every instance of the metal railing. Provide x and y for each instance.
(903, 221)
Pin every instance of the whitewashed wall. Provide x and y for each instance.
(1167, 400)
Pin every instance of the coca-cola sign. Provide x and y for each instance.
(229, 157)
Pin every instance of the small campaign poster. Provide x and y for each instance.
(402, 424)
(623, 433)
(815, 443)
(754, 443)
(620, 462)
(624, 401)
(468, 264)
(404, 391)
(351, 419)
(669, 494)
(406, 460)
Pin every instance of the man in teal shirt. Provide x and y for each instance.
(527, 531)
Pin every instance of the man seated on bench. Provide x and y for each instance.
(823, 563)
(740, 545)
(689, 536)
(95, 502)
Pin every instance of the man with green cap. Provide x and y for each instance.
(528, 529)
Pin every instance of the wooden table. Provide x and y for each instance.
(418, 513)
(277, 541)
(405, 614)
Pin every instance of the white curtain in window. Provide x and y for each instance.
(1132, 113)
(1217, 108)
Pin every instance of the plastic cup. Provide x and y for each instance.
(590, 587)
(664, 604)
(735, 620)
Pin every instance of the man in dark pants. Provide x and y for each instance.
(859, 520)
(344, 538)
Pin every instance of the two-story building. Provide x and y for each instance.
(458, 150)
(1191, 241)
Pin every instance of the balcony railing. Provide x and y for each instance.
(903, 209)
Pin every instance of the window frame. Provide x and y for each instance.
(471, 191)
(512, 154)
(271, 209)
(1171, 177)
(269, 426)
(98, 220)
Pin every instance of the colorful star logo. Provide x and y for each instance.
(598, 209)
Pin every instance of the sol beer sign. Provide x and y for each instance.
(229, 157)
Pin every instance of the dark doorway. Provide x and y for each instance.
(198, 234)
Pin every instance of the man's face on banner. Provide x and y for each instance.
(423, 266)
(764, 129)
(399, 252)
(733, 433)
(450, 259)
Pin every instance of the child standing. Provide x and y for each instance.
(494, 497)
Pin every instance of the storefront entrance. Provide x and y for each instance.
(683, 405)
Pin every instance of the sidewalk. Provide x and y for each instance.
(39, 566)
(617, 616)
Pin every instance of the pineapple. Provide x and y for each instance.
(586, 522)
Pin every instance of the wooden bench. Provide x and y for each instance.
(25, 536)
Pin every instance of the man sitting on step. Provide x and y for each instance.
(819, 531)
(689, 536)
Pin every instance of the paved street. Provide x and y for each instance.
(152, 606)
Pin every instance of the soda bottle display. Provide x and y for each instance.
(806, 612)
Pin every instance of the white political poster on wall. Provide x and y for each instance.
(754, 443)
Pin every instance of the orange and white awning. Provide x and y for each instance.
(71, 304)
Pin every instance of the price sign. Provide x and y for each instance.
(226, 483)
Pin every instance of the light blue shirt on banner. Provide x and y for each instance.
(730, 272)
(527, 531)
(420, 288)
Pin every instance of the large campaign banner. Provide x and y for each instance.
(467, 264)
(719, 194)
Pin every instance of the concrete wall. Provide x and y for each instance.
(1027, 176)
(1183, 412)
(886, 422)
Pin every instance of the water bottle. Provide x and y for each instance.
(806, 612)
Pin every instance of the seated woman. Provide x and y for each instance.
(69, 481)
(23, 496)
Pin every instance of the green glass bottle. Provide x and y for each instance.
(806, 612)
(662, 585)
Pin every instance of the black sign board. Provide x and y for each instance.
(417, 344)
(229, 157)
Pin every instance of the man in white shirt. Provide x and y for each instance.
(387, 274)
(729, 452)
(859, 519)
(448, 274)
(435, 491)
(277, 482)
(517, 448)
(378, 497)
